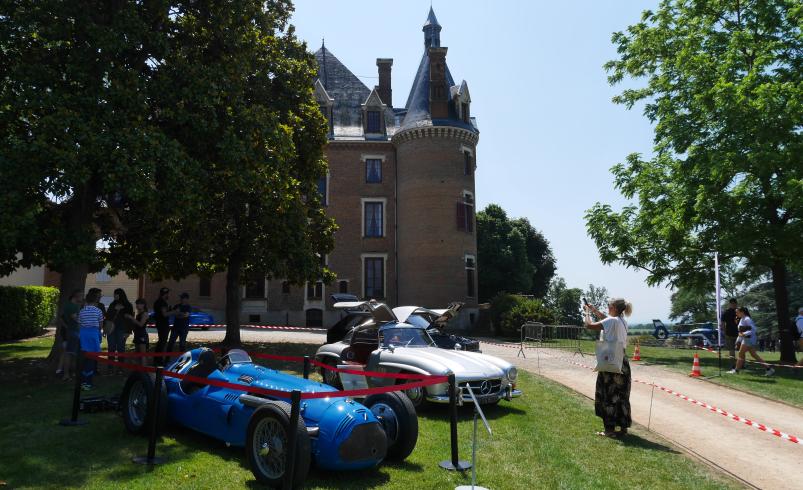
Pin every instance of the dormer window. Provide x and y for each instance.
(373, 123)
(464, 112)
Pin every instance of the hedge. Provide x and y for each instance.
(510, 311)
(26, 310)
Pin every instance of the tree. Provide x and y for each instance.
(723, 87)
(512, 255)
(693, 305)
(565, 302)
(597, 296)
(247, 117)
(79, 147)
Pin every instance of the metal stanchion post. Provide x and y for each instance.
(295, 413)
(454, 463)
(76, 395)
(306, 367)
(153, 408)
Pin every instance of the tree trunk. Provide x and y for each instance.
(782, 310)
(233, 300)
(73, 277)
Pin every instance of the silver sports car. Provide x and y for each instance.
(387, 345)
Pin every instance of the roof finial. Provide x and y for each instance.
(323, 42)
(432, 30)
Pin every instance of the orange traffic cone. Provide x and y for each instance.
(695, 368)
(637, 353)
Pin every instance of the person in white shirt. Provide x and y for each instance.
(612, 394)
(749, 336)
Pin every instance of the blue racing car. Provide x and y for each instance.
(335, 433)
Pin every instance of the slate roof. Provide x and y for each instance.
(347, 91)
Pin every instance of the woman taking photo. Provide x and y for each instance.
(749, 338)
(612, 394)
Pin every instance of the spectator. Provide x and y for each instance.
(748, 334)
(139, 323)
(70, 334)
(161, 316)
(119, 312)
(612, 394)
(181, 324)
(799, 325)
(730, 324)
(90, 319)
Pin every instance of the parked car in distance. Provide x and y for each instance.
(198, 319)
(385, 344)
(335, 433)
(435, 322)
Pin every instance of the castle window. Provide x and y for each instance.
(343, 287)
(468, 163)
(314, 317)
(255, 286)
(373, 171)
(285, 287)
(374, 280)
(464, 111)
(373, 124)
(204, 286)
(470, 269)
(314, 290)
(373, 219)
(323, 184)
(465, 214)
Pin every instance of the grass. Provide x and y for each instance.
(542, 440)
(785, 385)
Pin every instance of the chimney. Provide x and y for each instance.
(438, 87)
(384, 90)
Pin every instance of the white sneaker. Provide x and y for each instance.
(769, 372)
(732, 371)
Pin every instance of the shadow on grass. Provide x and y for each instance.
(634, 440)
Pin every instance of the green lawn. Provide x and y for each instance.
(542, 440)
(786, 385)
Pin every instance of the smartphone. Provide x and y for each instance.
(585, 301)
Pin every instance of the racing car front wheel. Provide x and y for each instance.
(398, 418)
(135, 403)
(266, 445)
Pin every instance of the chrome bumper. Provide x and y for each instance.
(506, 394)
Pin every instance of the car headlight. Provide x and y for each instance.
(512, 374)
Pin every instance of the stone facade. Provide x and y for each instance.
(401, 189)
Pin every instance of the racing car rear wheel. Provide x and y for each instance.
(267, 441)
(135, 403)
(398, 418)
(331, 377)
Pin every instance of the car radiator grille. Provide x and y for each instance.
(484, 386)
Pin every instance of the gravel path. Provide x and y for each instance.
(758, 458)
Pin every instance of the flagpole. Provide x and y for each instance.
(719, 310)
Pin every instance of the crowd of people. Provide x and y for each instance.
(85, 321)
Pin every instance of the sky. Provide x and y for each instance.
(549, 133)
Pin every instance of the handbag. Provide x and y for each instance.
(610, 356)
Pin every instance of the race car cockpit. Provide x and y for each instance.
(234, 356)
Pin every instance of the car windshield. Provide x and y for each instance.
(418, 321)
(406, 337)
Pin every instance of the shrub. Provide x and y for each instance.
(510, 311)
(26, 310)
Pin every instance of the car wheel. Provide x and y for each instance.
(417, 396)
(331, 378)
(267, 441)
(398, 418)
(135, 402)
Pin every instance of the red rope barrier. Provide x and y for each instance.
(425, 380)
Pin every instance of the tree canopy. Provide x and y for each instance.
(512, 255)
(723, 85)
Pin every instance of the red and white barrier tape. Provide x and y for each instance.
(732, 416)
(264, 327)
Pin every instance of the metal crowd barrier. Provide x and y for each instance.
(536, 335)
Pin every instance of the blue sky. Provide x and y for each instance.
(549, 132)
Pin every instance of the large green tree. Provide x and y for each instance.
(246, 115)
(79, 147)
(723, 86)
(512, 255)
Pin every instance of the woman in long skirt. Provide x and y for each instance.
(612, 394)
